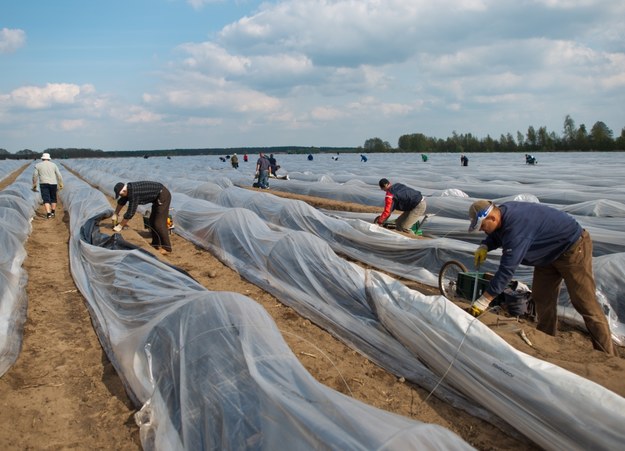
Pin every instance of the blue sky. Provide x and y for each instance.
(159, 74)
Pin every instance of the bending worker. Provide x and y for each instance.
(139, 193)
(403, 198)
(556, 246)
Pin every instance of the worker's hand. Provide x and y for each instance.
(118, 228)
(377, 220)
(480, 255)
(479, 306)
(35, 188)
(256, 175)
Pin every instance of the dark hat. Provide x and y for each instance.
(383, 182)
(478, 211)
(118, 187)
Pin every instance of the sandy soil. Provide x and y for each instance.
(63, 393)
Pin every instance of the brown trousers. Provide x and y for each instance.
(575, 267)
(158, 220)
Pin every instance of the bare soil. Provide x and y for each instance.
(63, 393)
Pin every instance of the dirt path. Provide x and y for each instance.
(63, 392)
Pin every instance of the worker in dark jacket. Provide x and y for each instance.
(145, 192)
(556, 246)
(401, 197)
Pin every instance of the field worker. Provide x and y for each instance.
(140, 193)
(262, 170)
(403, 198)
(556, 246)
(49, 177)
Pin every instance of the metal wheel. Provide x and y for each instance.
(448, 278)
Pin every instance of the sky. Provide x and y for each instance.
(173, 74)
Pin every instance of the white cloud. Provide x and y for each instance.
(36, 97)
(11, 40)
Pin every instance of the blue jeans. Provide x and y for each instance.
(263, 179)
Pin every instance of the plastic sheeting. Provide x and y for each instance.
(418, 260)
(195, 219)
(555, 408)
(17, 207)
(210, 368)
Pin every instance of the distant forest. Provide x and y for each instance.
(573, 139)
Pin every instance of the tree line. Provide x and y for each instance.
(599, 138)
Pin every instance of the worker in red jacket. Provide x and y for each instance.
(401, 197)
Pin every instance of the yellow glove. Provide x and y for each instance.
(60, 186)
(479, 256)
(479, 306)
(35, 188)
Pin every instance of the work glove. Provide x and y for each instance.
(377, 220)
(118, 228)
(60, 186)
(480, 255)
(479, 306)
(35, 188)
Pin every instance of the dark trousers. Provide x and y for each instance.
(158, 220)
(575, 268)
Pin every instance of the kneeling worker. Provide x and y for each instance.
(556, 246)
(139, 193)
(403, 198)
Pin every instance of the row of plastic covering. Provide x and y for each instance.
(355, 235)
(7, 167)
(465, 358)
(211, 368)
(17, 207)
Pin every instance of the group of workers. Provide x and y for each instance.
(531, 234)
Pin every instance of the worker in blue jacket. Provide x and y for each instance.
(401, 197)
(556, 246)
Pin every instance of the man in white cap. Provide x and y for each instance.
(50, 179)
(556, 246)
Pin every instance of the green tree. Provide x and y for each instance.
(570, 133)
(620, 141)
(601, 136)
(376, 145)
(417, 142)
(532, 138)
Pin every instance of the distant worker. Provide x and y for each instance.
(401, 197)
(530, 159)
(464, 160)
(262, 171)
(234, 161)
(140, 193)
(273, 165)
(424, 157)
(245, 158)
(363, 158)
(556, 246)
(50, 180)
